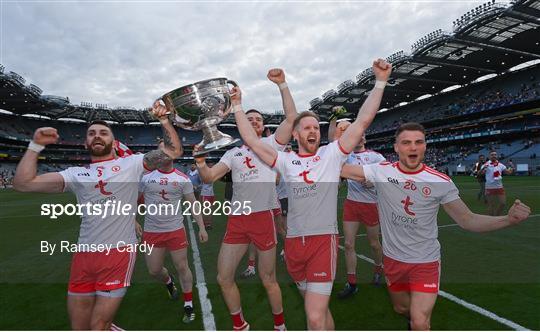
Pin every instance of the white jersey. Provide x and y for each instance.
(207, 189)
(114, 180)
(358, 191)
(312, 182)
(253, 181)
(165, 190)
(281, 188)
(408, 206)
(494, 173)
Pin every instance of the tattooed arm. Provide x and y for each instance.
(172, 147)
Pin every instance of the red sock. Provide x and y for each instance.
(188, 296)
(351, 278)
(251, 263)
(279, 319)
(378, 268)
(238, 319)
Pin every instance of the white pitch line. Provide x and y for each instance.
(464, 303)
(206, 306)
(442, 226)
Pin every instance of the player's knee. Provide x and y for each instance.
(154, 272)
(224, 281)
(401, 309)
(316, 320)
(268, 281)
(349, 245)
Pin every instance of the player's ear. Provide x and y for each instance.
(395, 148)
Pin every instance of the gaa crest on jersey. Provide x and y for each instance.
(115, 168)
(426, 191)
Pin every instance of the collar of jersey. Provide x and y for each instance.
(100, 161)
(163, 172)
(301, 155)
(415, 172)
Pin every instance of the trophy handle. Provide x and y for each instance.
(228, 110)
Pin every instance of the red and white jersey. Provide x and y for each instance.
(494, 173)
(408, 206)
(114, 180)
(358, 191)
(312, 184)
(253, 181)
(167, 190)
(207, 189)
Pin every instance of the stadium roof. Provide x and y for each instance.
(489, 39)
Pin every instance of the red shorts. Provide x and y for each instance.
(416, 277)
(365, 213)
(257, 227)
(173, 240)
(312, 258)
(97, 271)
(495, 191)
(210, 199)
(276, 212)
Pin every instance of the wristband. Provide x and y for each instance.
(283, 86)
(35, 147)
(380, 84)
(237, 108)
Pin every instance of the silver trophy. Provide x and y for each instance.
(202, 106)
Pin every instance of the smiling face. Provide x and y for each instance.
(410, 146)
(256, 120)
(99, 140)
(308, 135)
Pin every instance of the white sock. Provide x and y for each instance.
(188, 304)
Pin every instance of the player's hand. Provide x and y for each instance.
(276, 75)
(236, 96)
(138, 230)
(200, 159)
(518, 212)
(382, 69)
(160, 112)
(203, 235)
(45, 135)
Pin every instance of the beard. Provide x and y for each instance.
(309, 147)
(100, 152)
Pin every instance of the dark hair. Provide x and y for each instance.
(305, 114)
(411, 126)
(254, 111)
(100, 122)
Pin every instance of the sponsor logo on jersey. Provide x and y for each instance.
(406, 206)
(101, 185)
(163, 193)
(305, 177)
(248, 161)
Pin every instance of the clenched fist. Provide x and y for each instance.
(518, 212)
(382, 70)
(276, 75)
(45, 135)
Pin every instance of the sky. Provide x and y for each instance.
(128, 53)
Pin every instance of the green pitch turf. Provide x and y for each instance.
(498, 271)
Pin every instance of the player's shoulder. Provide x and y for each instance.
(436, 175)
(180, 175)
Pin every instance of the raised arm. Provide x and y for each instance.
(172, 146)
(466, 219)
(265, 152)
(369, 109)
(332, 125)
(26, 178)
(283, 132)
(353, 172)
(209, 174)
